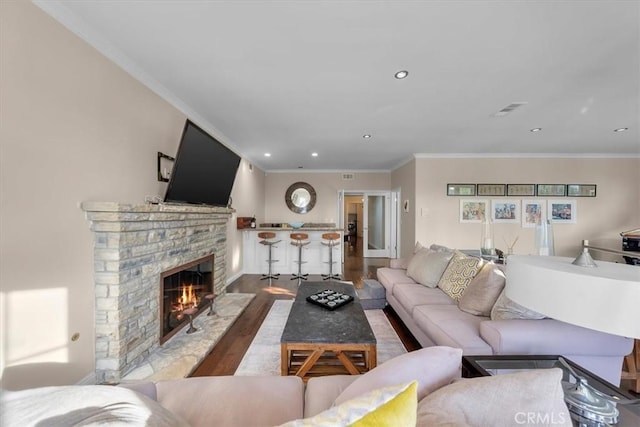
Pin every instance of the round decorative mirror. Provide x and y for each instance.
(300, 197)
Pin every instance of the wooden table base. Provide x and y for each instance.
(307, 360)
(631, 367)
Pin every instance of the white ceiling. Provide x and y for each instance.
(295, 77)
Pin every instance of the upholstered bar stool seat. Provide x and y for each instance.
(267, 240)
(299, 240)
(331, 240)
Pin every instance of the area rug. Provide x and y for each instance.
(263, 355)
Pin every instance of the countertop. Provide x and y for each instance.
(301, 230)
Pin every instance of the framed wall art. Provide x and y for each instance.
(505, 211)
(461, 190)
(581, 190)
(533, 210)
(554, 190)
(491, 189)
(562, 211)
(473, 210)
(165, 166)
(526, 190)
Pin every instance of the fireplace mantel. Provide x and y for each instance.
(133, 244)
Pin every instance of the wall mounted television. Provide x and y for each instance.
(204, 170)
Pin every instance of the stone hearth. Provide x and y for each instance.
(133, 245)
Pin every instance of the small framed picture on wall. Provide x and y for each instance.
(533, 211)
(473, 210)
(526, 190)
(559, 190)
(562, 211)
(491, 189)
(505, 210)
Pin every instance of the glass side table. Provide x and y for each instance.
(479, 366)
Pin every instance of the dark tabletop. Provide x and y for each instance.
(310, 323)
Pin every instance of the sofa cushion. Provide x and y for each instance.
(321, 392)
(432, 367)
(403, 263)
(505, 309)
(501, 400)
(387, 406)
(426, 266)
(449, 326)
(459, 272)
(389, 277)
(84, 405)
(549, 336)
(483, 291)
(202, 400)
(411, 295)
(440, 248)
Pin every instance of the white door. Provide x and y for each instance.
(376, 231)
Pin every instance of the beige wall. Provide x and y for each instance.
(248, 199)
(74, 127)
(404, 179)
(327, 186)
(616, 207)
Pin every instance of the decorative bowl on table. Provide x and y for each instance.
(296, 224)
(329, 299)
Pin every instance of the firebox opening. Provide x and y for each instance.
(181, 288)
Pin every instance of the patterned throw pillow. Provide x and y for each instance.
(507, 309)
(387, 406)
(460, 271)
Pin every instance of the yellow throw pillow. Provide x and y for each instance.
(460, 271)
(399, 411)
(387, 406)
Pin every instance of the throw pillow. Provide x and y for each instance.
(84, 405)
(501, 400)
(483, 291)
(426, 266)
(387, 406)
(432, 367)
(506, 309)
(440, 248)
(460, 271)
(403, 263)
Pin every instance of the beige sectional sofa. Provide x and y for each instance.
(420, 388)
(487, 323)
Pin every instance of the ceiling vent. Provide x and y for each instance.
(348, 176)
(509, 109)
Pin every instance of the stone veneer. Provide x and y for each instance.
(133, 245)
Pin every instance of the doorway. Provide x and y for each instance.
(369, 222)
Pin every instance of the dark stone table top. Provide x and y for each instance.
(310, 323)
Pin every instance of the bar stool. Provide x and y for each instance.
(299, 240)
(331, 240)
(267, 237)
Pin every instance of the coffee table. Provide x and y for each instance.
(317, 341)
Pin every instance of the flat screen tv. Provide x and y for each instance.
(204, 170)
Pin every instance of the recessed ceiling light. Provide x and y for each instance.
(314, 154)
(401, 74)
(267, 154)
(620, 129)
(535, 130)
(367, 136)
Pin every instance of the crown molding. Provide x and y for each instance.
(527, 155)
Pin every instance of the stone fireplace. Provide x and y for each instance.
(134, 245)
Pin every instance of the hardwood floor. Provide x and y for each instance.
(228, 352)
